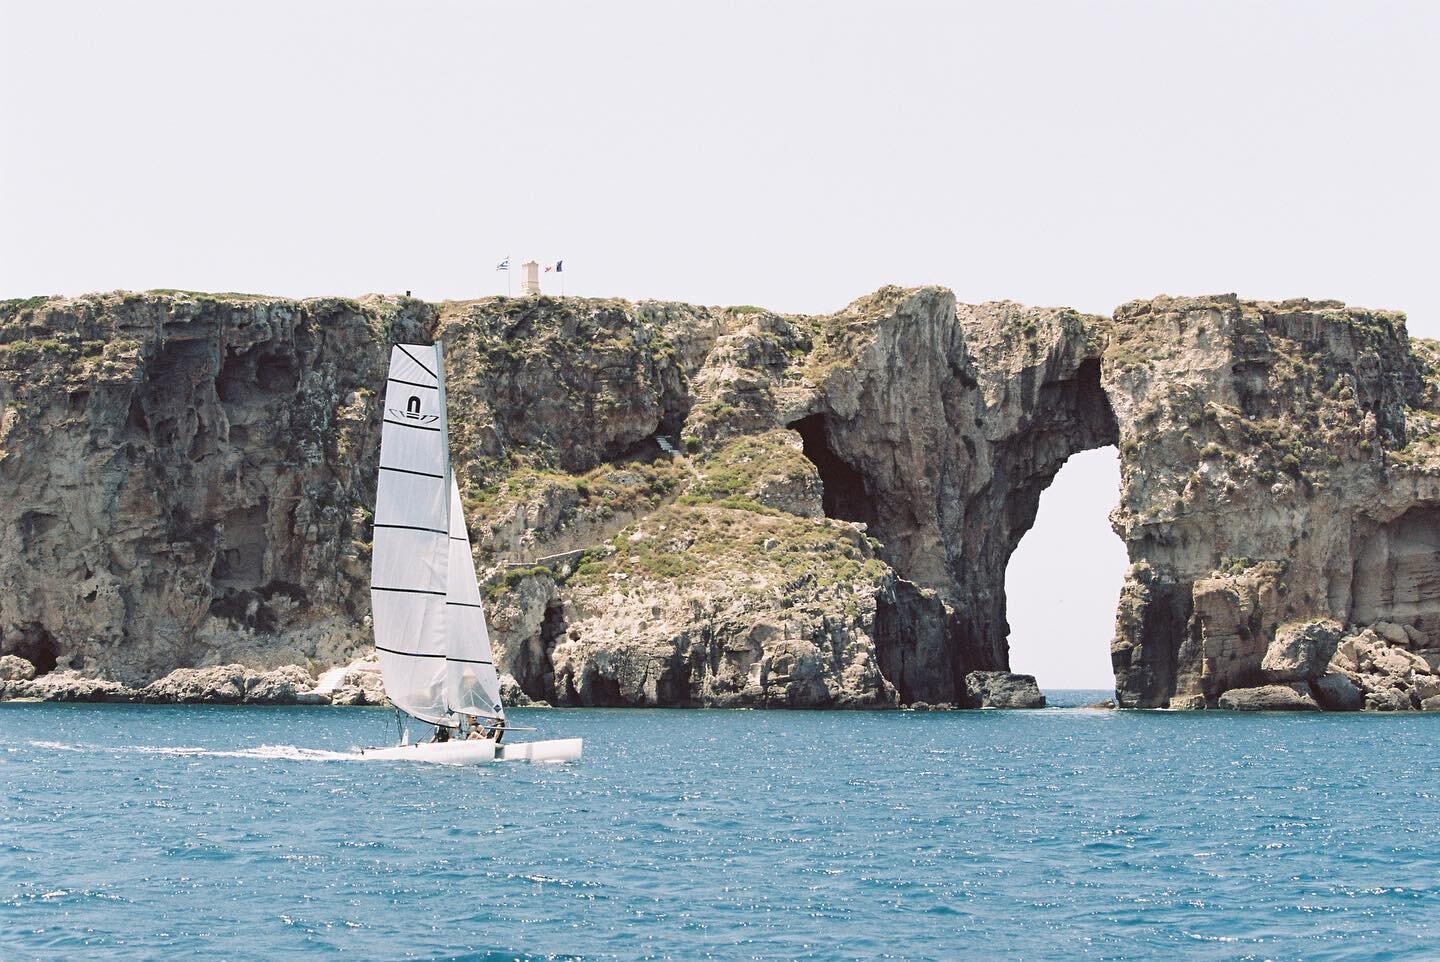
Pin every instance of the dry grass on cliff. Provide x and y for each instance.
(752, 547)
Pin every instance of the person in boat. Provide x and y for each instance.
(497, 730)
(476, 732)
(442, 734)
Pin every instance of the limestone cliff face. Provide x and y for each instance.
(1279, 467)
(185, 481)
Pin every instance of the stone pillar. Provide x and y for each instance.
(530, 278)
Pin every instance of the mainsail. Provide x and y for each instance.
(429, 629)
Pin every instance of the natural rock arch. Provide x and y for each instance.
(954, 451)
(1063, 581)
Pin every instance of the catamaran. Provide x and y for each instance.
(430, 631)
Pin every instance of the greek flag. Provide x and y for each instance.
(503, 265)
(556, 267)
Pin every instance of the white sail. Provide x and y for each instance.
(411, 551)
(471, 684)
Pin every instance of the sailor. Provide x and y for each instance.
(497, 731)
(475, 730)
(442, 734)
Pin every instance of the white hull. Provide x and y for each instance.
(479, 751)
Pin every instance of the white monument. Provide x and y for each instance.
(529, 278)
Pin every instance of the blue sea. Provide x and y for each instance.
(149, 832)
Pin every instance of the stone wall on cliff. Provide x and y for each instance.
(186, 481)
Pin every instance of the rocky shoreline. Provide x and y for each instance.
(358, 683)
(1375, 669)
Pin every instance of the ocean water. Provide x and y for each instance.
(153, 832)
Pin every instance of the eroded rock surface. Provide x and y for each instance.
(1002, 689)
(15, 668)
(1269, 698)
(186, 480)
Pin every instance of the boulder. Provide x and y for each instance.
(233, 685)
(1268, 698)
(15, 668)
(348, 695)
(220, 685)
(1431, 704)
(1194, 702)
(1347, 655)
(68, 686)
(1388, 699)
(1391, 632)
(1003, 689)
(1336, 691)
(1423, 687)
(282, 686)
(1418, 638)
(1398, 663)
(1300, 651)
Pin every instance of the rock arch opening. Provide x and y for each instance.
(1063, 581)
(845, 496)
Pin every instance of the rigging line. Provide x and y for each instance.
(416, 360)
(418, 427)
(466, 604)
(409, 591)
(468, 661)
(401, 380)
(408, 654)
(408, 527)
(423, 474)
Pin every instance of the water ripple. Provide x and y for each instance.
(212, 832)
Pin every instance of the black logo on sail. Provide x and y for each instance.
(412, 412)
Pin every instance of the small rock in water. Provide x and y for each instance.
(1268, 698)
(1003, 689)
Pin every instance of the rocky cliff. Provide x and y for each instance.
(185, 482)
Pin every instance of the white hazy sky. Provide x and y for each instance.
(794, 155)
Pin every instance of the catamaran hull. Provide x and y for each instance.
(479, 751)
